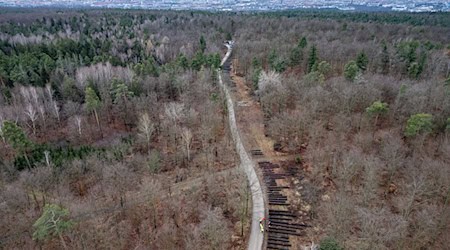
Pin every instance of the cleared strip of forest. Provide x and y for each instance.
(256, 237)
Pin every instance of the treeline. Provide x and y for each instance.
(441, 19)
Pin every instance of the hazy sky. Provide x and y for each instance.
(230, 1)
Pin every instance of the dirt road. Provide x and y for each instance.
(256, 237)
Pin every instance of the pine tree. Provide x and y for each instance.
(419, 123)
(415, 73)
(92, 104)
(256, 64)
(362, 61)
(228, 36)
(312, 58)
(385, 61)
(272, 58)
(202, 44)
(330, 244)
(53, 222)
(182, 61)
(351, 70)
(15, 136)
(376, 110)
(302, 43)
(198, 61)
(120, 91)
(216, 61)
(296, 56)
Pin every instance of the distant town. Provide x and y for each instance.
(244, 5)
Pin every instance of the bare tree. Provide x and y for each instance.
(146, 129)
(56, 110)
(212, 229)
(380, 227)
(393, 153)
(174, 111)
(340, 213)
(186, 134)
(78, 123)
(416, 189)
(152, 190)
(47, 157)
(32, 115)
(269, 79)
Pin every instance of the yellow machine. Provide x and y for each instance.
(261, 224)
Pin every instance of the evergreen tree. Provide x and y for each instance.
(385, 61)
(414, 70)
(53, 222)
(376, 110)
(256, 64)
(411, 55)
(362, 61)
(202, 44)
(296, 56)
(93, 104)
(272, 58)
(255, 77)
(148, 67)
(216, 61)
(330, 244)
(318, 73)
(120, 91)
(228, 36)
(351, 70)
(312, 58)
(198, 61)
(279, 65)
(323, 67)
(182, 61)
(447, 127)
(419, 123)
(15, 137)
(302, 43)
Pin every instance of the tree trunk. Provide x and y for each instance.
(34, 127)
(28, 161)
(375, 126)
(35, 199)
(98, 122)
(154, 215)
(188, 153)
(63, 242)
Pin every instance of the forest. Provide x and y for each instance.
(113, 122)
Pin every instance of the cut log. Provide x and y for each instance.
(277, 239)
(286, 232)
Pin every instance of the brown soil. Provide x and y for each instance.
(250, 120)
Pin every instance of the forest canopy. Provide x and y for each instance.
(114, 121)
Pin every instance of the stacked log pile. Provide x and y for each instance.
(282, 223)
